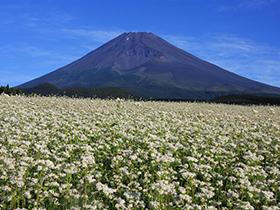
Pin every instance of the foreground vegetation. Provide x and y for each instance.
(62, 153)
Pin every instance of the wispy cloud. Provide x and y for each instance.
(9, 77)
(255, 4)
(24, 62)
(54, 19)
(91, 34)
(242, 56)
(246, 4)
(29, 16)
(35, 52)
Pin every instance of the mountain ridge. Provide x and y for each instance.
(150, 66)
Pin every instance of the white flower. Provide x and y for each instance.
(27, 194)
(60, 152)
(105, 189)
(87, 160)
(268, 195)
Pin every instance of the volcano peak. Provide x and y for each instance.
(150, 66)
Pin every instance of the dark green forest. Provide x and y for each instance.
(9, 90)
(114, 92)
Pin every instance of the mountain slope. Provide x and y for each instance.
(152, 67)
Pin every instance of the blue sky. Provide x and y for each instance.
(39, 36)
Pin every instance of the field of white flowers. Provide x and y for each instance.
(62, 153)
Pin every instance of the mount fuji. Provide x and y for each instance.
(149, 66)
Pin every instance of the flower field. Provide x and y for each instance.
(62, 153)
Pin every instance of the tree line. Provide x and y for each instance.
(10, 90)
(113, 92)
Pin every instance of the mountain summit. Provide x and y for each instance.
(150, 67)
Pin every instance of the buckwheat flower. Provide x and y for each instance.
(191, 159)
(196, 207)
(90, 207)
(19, 183)
(176, 154)
(164, 187)
(182, 190)
(54, 184)
(211, 208)
(27, 194)
(247, 206)
(208, 192)
(4, 95)
(187, 174)
(49, 164)
(232, 194)
(154, 205)
(133, 157)
(186, 198)
(268, 195)
(232, 179)
(167, 158)
(40, 168)
(120, 204)
(270, 207)
(105, 189)
(124, 171)
(255, 111)
(10, 163)
(75, 208)
(71, 170)
(90, 178)
(87, 160)
(7, 188)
